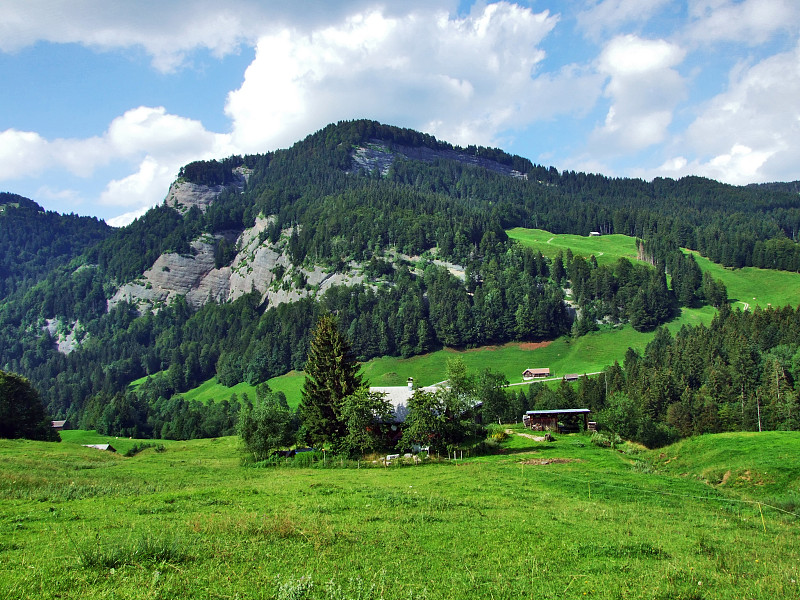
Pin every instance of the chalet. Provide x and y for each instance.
(399, 396)
(548, 420)
(58, 425)
(529, 374)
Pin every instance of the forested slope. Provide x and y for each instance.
(385, 203)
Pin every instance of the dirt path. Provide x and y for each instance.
(550, 379)
(535, 438)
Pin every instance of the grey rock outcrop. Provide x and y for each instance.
(258, 265)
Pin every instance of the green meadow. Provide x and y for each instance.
(564, 519)
(747, 287)
(751, 287)
(607, 249)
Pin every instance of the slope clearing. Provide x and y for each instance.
(559, 520)
(747, 287)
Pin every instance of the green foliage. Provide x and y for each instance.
(267, 427)
(443, 419)
(21, 411)
(331, 376)
(363, 413)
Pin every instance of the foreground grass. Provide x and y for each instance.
(191, 523)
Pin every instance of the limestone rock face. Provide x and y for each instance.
(183, 195)
(259, 265)
(379, 155)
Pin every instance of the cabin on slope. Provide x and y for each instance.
(529, 374)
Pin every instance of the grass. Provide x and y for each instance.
(192, 523)
(753, 286)
(607, 249)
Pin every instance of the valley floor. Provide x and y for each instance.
(558, 520)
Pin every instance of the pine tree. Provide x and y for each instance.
(331, 376)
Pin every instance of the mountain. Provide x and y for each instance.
(34, 242)
(398, 233)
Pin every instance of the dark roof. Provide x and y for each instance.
(563, 411)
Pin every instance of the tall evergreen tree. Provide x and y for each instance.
(22, 413)
(331, 376)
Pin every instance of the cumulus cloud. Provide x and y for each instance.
(154, 142)
(462, 79)
(613, 15)
(748, 21)
(751, 132)
(167, 31)
(644, 89)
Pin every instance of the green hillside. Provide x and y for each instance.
(747, 286)
(558, 520)
(607, 249)
(587, 354)
(761, 465)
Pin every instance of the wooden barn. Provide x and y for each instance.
(529, 374)
(565, 420)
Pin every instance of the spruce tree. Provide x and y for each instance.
(331, 376)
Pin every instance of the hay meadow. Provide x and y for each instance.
(566, 519)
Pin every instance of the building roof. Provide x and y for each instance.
(398, 396)
(108, 447)
(537, 371)
(58, 423)
(563, 411)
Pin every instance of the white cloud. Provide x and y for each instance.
(748, 21)
(21, 154)
(149, 139)
(462, 79)
(127, 218)
(751, 132)
(614, 15)
(167, 31)
(644, 89)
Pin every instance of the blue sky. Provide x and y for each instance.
(104, 100)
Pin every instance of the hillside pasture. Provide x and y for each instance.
(749, 287)
(558, 520)
(607, 249)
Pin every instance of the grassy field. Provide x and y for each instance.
(559, 520)
(755, 287)
(607, 249)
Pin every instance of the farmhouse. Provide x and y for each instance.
(399, 396)
(548, 420)
(529, 374)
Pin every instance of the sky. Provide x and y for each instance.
(103, 101)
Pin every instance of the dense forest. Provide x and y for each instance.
(433, 200)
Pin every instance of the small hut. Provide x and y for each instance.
(548, 420)
(529, 374)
